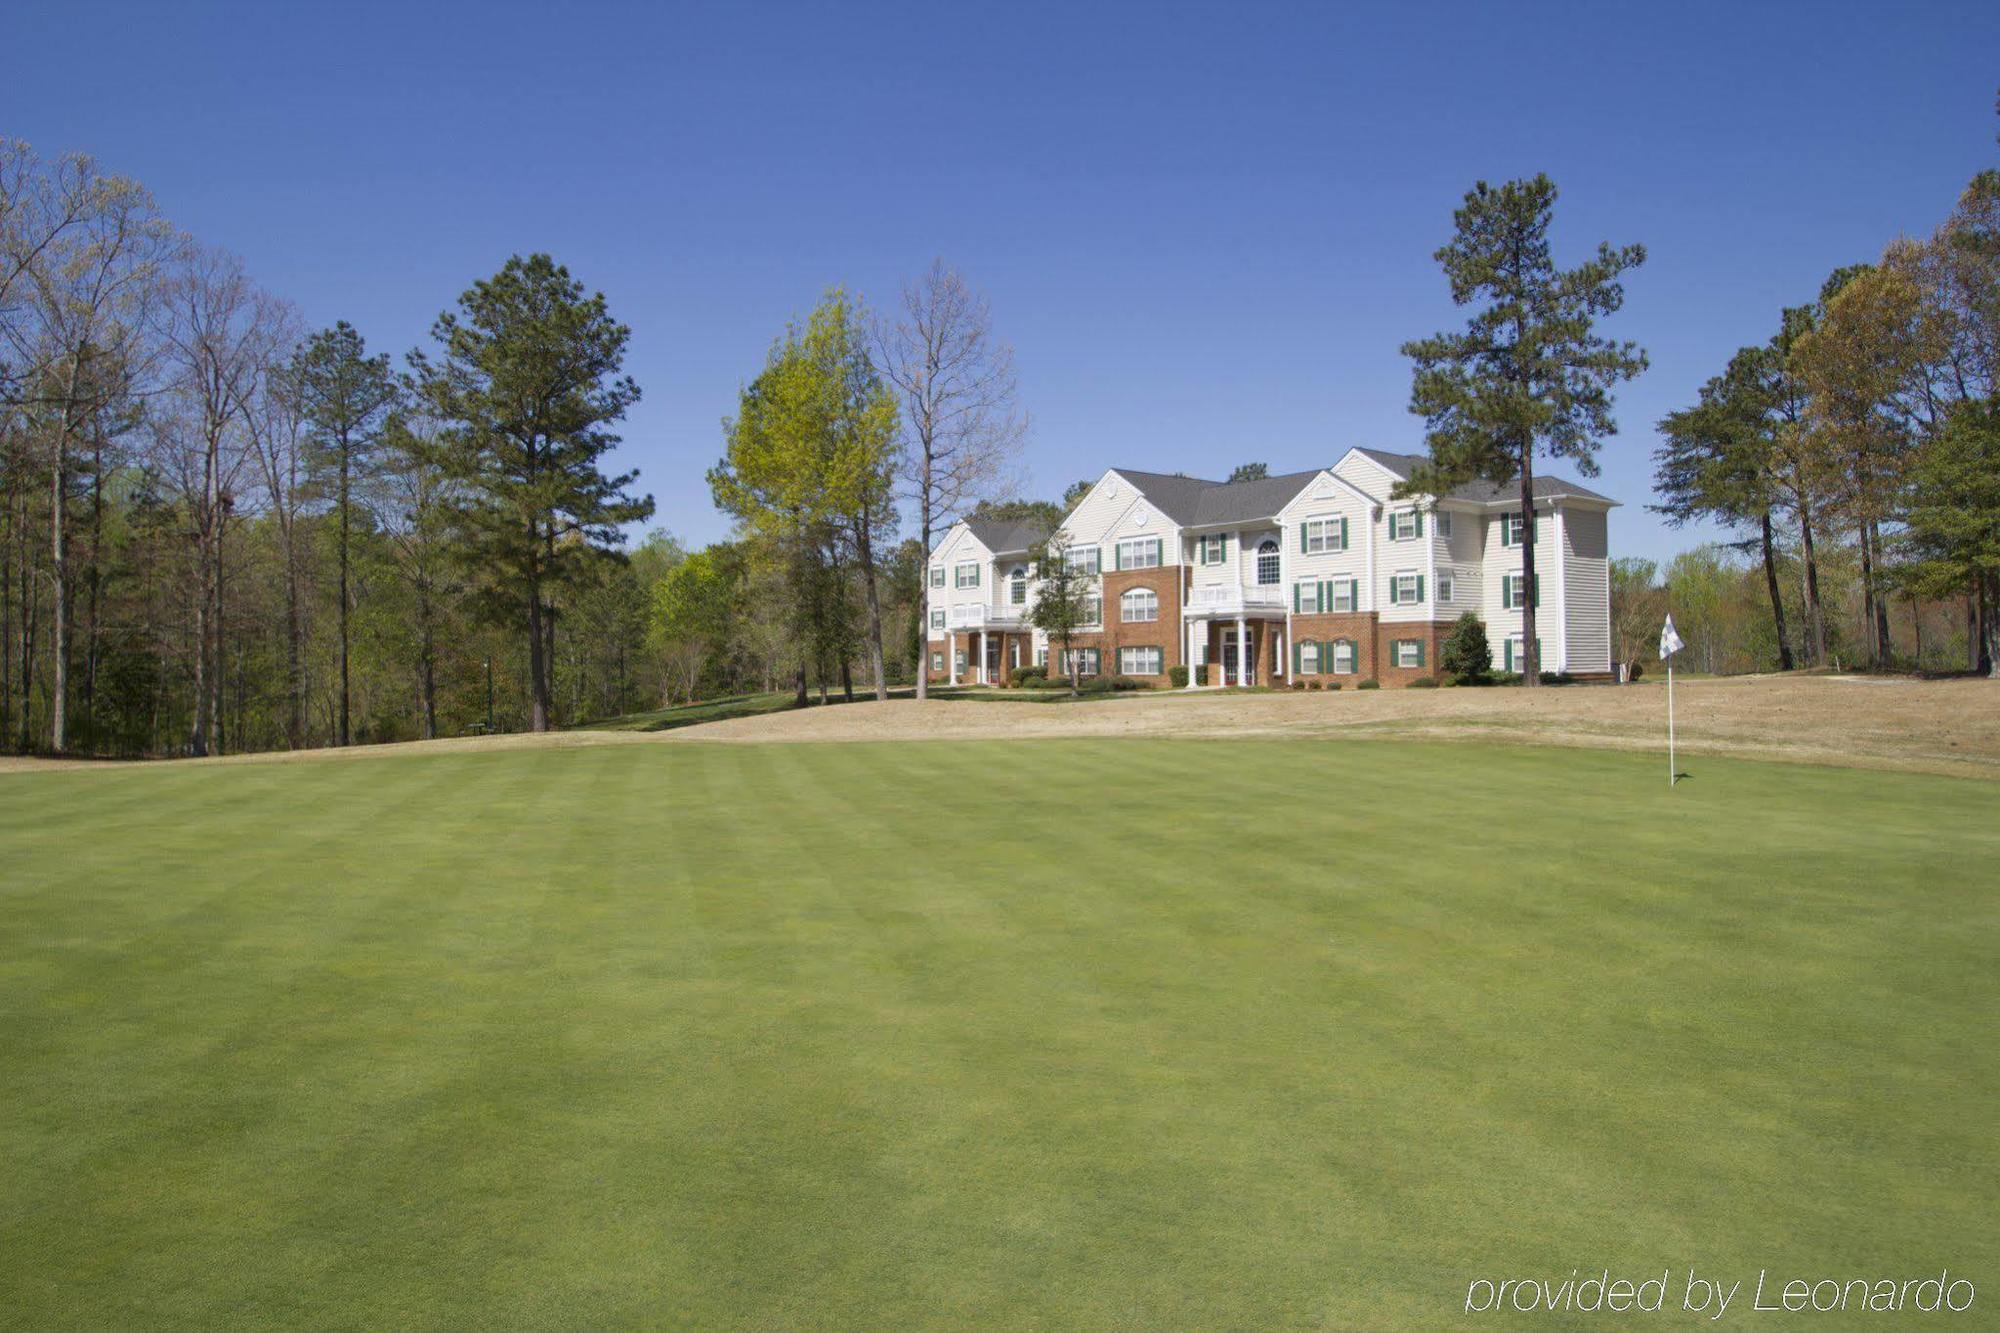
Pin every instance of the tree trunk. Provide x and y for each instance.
(1972, 628)
(1777, 600)
(343, 733)
(924, 596)
(1884, 645)
(427, 663)
(1989, 626)
(800, 700)
(538, 683)
(1868, 599)
(94, 581)
(1815, 614)
(59, 569)
(1531, 657)
(865, 548)
(846, 680)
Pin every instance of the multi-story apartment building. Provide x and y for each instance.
(1311, 575)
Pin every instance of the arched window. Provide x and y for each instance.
(1267, 561)
(1139, 604)
(1343, 657)
(1017, 586)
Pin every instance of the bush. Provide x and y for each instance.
(1370, 684)
(1557, 678)
(1177, 677)
(1107, 684)
(1466, 655)
(1027, 676)
(1638, 670)
(1201, 674)
(1312, 684)
(1333, 685)
(1423, 683)
(1298, 684)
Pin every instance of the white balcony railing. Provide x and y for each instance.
(997, 617)
(1229, 598)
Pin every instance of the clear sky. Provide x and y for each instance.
(1205, 229)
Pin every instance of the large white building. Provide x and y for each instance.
(1312, 575)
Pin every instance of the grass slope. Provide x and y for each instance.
(1167, 1034)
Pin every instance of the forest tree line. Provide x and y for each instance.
(222, 531)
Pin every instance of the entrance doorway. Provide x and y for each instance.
(1230, 674)
(992, 659)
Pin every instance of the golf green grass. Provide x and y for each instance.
(1160, 1034)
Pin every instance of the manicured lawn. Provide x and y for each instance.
(1144, 1033)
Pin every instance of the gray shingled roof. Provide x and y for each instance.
(1194, 503)
(1485, 492)
(1003, 536)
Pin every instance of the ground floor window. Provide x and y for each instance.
(1408, 653)
(1139, 661)
(1343, 657)
(1041, 655)
(1309, 658)
(937, 661)
(1516, 657)
(1086, 661)
(1017, 655)
(959, 658)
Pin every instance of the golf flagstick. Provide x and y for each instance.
(1670, 643)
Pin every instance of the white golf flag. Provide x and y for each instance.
(1670, 642)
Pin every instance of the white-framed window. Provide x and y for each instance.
(1405, 525)
(1515, 655)
(1041, 654)
(1343, 657)
(1444, 587)
(1267, 562)
(1345, 595)
(937, 661)
(1513, 591)
(966, 575)
(1017, 654)
(1511, 528)
(1084, 559)
(1139, 553)
(1139, 661)
(1093, 610)
(1443, 517)
(1317, 536)
(1017, 586)
(937, 618)
(1406, 589)
(1308, 658)
(1305, 596)
(1086, 660)
(1212, 549)
(1407, 653)
(959, 657)
(1137, 604)
(937, 576)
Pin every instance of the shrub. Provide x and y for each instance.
(1201, 674)
(1557, 678)
(1370, 684)
(1312, 684)
(1638, 670)
(1466, 654)
(1423, 683)
(1028, 676)
(1333, 685)
(1298, 684)
(1177, 677)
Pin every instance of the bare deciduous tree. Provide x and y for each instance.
(960, 406)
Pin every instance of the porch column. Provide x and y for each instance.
(1242, 653)
(951, 656)
(1187, 650)
(982, 659)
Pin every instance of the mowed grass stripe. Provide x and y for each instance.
(1102, 1032)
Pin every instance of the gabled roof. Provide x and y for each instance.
(1483, 491)
(1003, 536)
(1194, 503)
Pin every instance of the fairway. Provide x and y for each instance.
(1146, 1033)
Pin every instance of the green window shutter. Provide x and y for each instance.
(1302, 539)
(1343, 532)
(1535, 529)
(1295, 657)
(1420, 523)
(1420, 587)
(1420, 652)
(1506, 529)
(1297, 600)
(1325, 596)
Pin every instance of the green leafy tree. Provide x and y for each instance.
(690, 614)
(527, 384)
(1250, 472)
(1061, 593)
(1074, 492)
(809, 463)
(1529, 374)
(1043, 514)
(345, 398)
(1466, 654)
(1952, 525)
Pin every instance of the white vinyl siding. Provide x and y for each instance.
(1585, 616)
(1143, 661)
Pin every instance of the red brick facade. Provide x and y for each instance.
(1168, 584)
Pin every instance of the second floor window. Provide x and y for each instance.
(1317, 536)
(937, 576)
(1139, 604)
(1267, 561)
(1017, 586)
(1139, 553)
(1212, 550)
(1511, 529)
(1406, 589)
(1083, 558)
(1405, 525)
(1093, 610)
(967, 575)
(937, 620)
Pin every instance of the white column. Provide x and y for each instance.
(951, 655)
(982, 659)
(1187, 650)
(1242, 652)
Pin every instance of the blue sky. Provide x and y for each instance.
(1205, 229)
